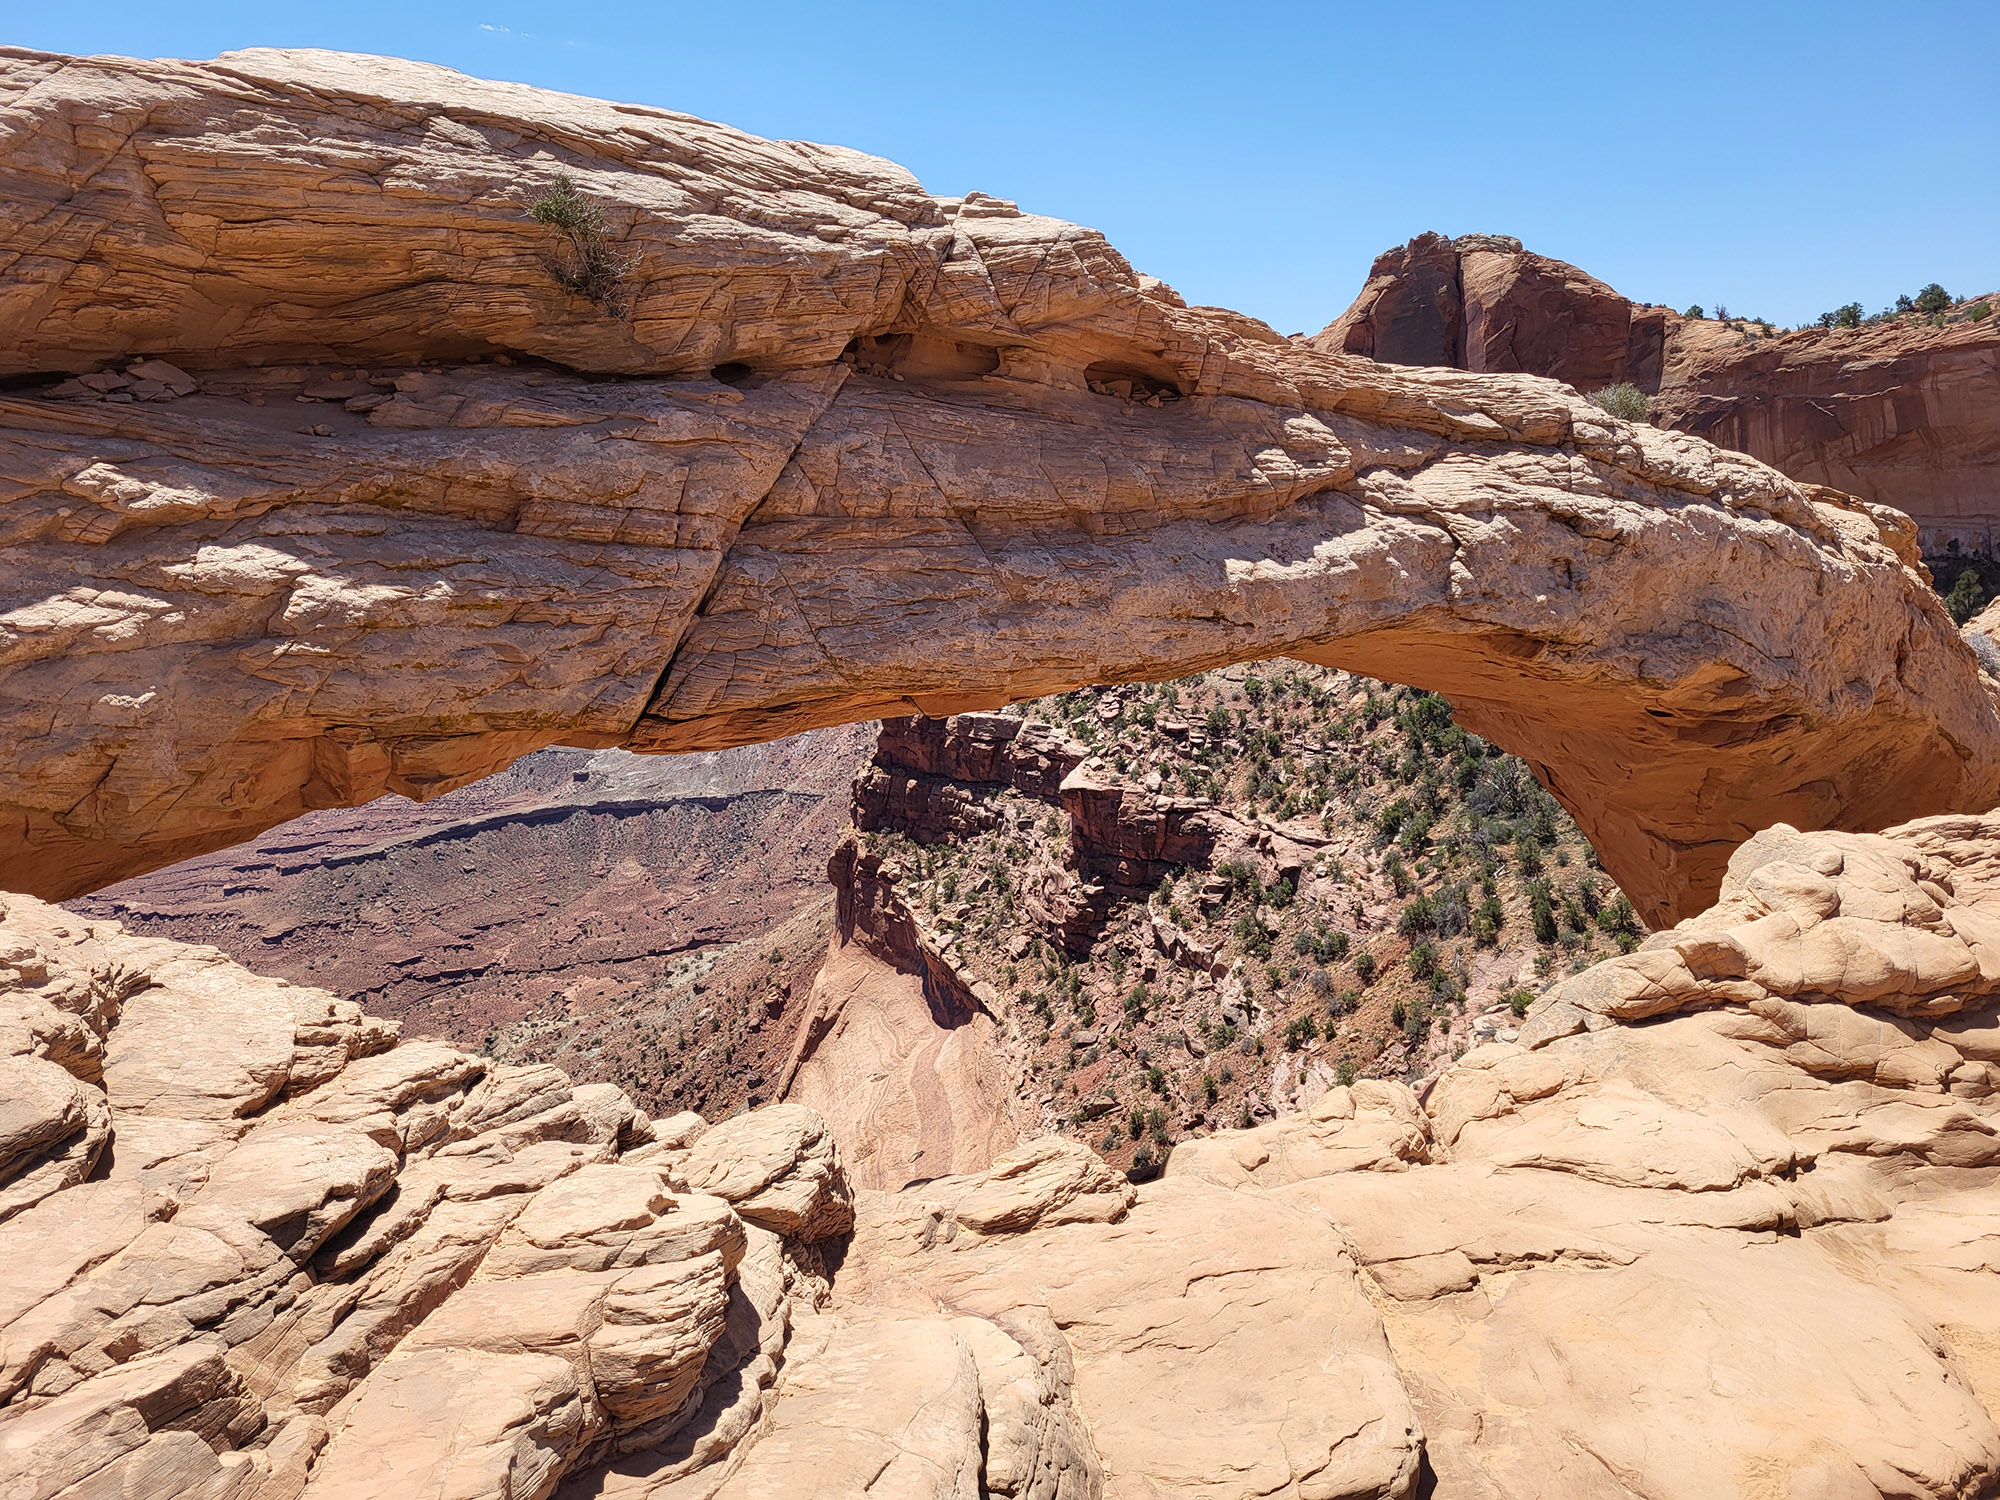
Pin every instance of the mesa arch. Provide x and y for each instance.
(397, 509)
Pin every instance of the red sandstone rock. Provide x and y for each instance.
(1904, 413)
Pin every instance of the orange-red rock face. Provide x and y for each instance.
(865, 451)
(1901, 413)
(1904, 413)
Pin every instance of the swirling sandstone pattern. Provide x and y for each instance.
(380, 507)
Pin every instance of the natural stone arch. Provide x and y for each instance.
(906, 489)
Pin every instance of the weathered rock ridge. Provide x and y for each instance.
(1902, 413)
(367, 514)
(1720, 1223)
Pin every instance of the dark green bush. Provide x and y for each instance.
(1966, 596)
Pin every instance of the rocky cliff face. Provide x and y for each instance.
(1900, 413)
(572, 883)
(351, 490)
(1717, 1221)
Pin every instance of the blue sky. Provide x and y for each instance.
(1782, 158)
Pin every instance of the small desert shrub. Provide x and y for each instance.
(1966, 595)
(1624, 401)
(581, 263)
(1933, 299)
(1988, 653)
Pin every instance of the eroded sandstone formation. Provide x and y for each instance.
(345, 493)
(1900, 413)
(1720, 1223)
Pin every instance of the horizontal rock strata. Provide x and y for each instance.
(1899, 412)
(344, 493)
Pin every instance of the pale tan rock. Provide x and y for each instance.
(1049, 1181)
(65, 1163)
(455, 1422)
(551, 1314)
(1690, 643)
(613, 1217)
(1374, 1126)
(679, 1131)
(914, 1437)
(777, 1166)
(1163, 1313)
(658, 1325)
(608, 1114)
(41, 1105)
(906, 1096)
(201, 1043)
(149, 1427)
(687, 1452)
(335, 1335)
(1036, 1444)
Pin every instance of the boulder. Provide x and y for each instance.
(1374, 1126)
(455, 1422)
(612, 1217)
(1047, 1181)
(916, 1433)
(777, 1167)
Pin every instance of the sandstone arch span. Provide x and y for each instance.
(397, 509)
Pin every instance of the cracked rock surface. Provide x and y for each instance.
(1720, 1223)
(344, 493)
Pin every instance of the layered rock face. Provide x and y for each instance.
(1718, 1224)
(1901, 413)
(571, 881)
(341, 500)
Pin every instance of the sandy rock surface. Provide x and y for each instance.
(865, 450)
(1721, 1222)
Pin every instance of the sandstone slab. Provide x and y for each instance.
(854, 436)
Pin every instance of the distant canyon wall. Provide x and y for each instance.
(1903, 413)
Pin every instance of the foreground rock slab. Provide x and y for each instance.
(340, 499)
(1719, 1223)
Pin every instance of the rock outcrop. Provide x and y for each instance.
(1719, 1223)
(339, 499)
(1899, 413)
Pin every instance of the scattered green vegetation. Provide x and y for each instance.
(1624, 401)
(581, 261)
(1967, 595)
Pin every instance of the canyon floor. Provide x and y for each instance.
(1260, 882)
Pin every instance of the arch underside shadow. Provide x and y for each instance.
(329, 620)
